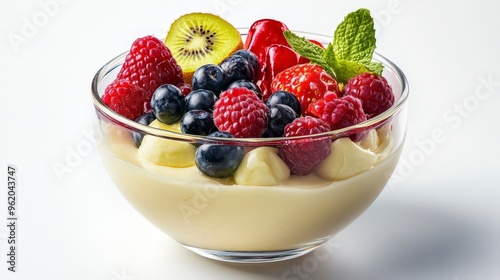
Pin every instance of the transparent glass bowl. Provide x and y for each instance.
(219, 219)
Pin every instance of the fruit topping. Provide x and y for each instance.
(252, 59)
(240, 112)
(202, 99)
(166, 152)
(279, 116)
(125, 98)
(185, 88)
(144, 119)
(342, 112)
(346, 160)
(202, 82)
(262, 34)
(198, 122)
(197, 39)
(374, 92)
(308, 82)
(150, 64)
(218, 160)
(278, 58)
(303, 155)
(168, 104)
(237, 68)
(246, 84)
(262, 167)
(211, 77)
(285, 98)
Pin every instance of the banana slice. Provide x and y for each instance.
(166, 152)
(262, 167)
(386, 144)
(371, 141)
(345, 160)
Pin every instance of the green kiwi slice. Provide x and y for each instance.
(197, 39)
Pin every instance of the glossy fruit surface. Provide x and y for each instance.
(217, 160)
(168, 104)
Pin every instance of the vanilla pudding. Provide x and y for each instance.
(215, 214)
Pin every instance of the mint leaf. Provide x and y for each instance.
(329, 58)
(308, 50)
(346, 69)
(351, 51)
(375, 67)
(304, 47)
(353, 44)
(354, 38)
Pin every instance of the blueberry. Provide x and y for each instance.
(168, 103)
(286, 98)
(211, 77)
(237, 68)
(198, 122)
(218, 160)
(247, 84)
(144, 119)
(279, 115)
(221, 134)
(201, 99)
(252, 59)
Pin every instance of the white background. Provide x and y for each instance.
(439, 220)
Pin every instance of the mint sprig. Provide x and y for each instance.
(351, 51)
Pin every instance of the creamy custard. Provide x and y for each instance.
(214, 214)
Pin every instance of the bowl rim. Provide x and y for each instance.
(120, 120)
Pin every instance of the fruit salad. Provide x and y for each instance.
(257, 142)
(203, 79)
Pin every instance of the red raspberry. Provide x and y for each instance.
(309, 82)
(150, 64)
(343, 112)
(317, 108)
(304, 155)
(374, 92)
(125, 98)
(240, 112)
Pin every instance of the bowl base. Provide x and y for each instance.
(252, 256)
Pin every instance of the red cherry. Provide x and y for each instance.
(278, 58)
(264, 33)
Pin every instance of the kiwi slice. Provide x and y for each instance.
(197, 39)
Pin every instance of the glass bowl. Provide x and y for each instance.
(228, 221)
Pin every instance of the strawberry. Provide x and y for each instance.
(309, 82)
(150, 64)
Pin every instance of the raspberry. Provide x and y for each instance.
(240, 112)
(125, 98)
(342, 112)
(150, 64)
(304, 155)
(317, 108)
(374, 92)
